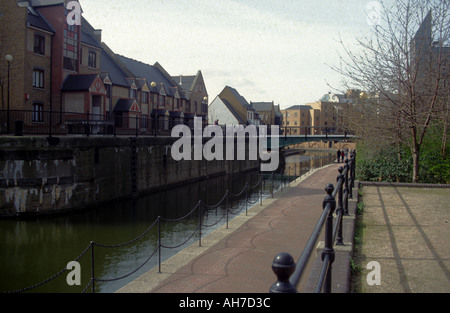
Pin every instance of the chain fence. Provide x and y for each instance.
(266, 186)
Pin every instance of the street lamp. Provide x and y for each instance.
(8, 59)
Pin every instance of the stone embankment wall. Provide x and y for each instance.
(78, 172)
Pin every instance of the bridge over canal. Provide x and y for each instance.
(289, 140)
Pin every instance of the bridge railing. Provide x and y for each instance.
(313, 130)
(290, 273)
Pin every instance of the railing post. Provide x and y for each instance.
(352, 173)
(88, 127)
(92, 267)
(329, 250)
(159, 244)
(226, 206)
(137, 126)
(346, 170)
(246, 199)
(261, 190)
(271, 188)
(289, 175)
(340, 209)
(283, 266)
(114, 124)
(200, 216)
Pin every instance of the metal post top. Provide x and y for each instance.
(283, 260)
(329, 189)
(283, 266)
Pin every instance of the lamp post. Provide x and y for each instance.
(204, 103)
(8, 59)
(156, 117)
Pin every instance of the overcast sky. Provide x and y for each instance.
(269, 50)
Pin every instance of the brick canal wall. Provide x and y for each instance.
(36, 177)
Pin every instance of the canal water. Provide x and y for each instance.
(34, 253)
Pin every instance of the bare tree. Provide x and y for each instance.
(403, 66)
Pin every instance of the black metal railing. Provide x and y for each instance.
(40, 122)
(313, 130)
(31, 122)
(287, 271)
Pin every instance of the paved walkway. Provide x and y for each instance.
(406, 231)
(239, 259)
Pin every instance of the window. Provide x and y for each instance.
(92, 62)
(39, 44)
(70, 64)
(133, 93)
(144, 97)
(144, 121)
(161, 102)
(38, 109)
(38, 78)
(71, 47)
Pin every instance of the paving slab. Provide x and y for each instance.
(406, 230)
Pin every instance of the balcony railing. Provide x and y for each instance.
(29, 122)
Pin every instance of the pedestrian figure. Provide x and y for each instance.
(339, 156)
(342, 155)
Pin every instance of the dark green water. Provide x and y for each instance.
(33, 251)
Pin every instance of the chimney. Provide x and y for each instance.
(98, 34)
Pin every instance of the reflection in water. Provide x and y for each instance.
(34, 251)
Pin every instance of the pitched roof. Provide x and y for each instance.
(43, 3)
(36, 19)
(116, 74)
(78, 82)
(185, 81)
(238, 102)
(299, 107)
(232, 110)
(126, 105)
(238, 97)
(262, 106)
(151, 74)
(188, 82)
(87, 35)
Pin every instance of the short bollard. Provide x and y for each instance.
(283, 266)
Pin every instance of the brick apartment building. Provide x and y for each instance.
(67, 68)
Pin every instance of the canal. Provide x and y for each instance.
(35, 252)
